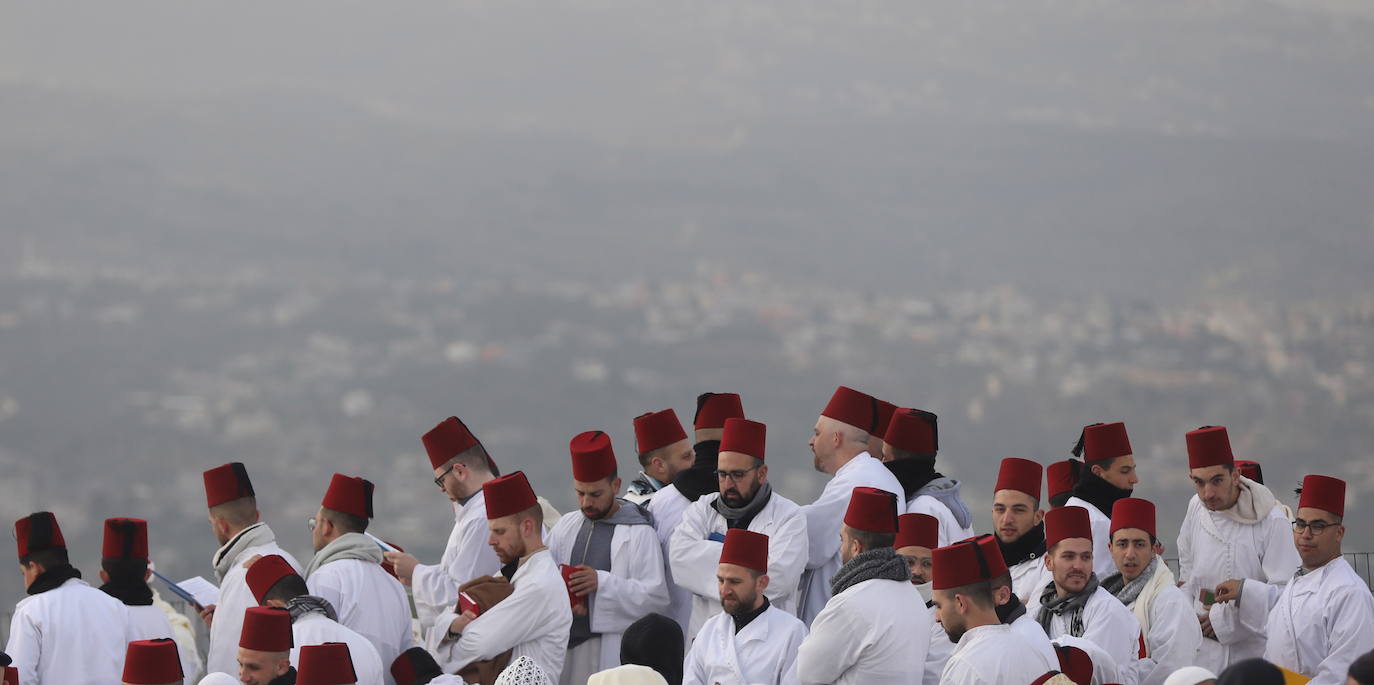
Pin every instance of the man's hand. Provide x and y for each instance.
(208, 614)
(1229, 590)
(583, 581)
(1205, 620)
(461, 623)
(403, 563)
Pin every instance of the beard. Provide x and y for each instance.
(737, 499)
(955, 632)
(512, 553)
(740, 605)
(596, 514)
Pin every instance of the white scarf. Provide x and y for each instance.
(255, 535)
(1255, 503)
(1161, 579)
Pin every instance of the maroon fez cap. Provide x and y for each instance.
(227, 483)
(152, 662)
(872, 510)
(744, 436)
(415, 665)
(713, 408)
(1209, 446)
(657, 429)
(1102, 441)
(266, 629)
(914, 430)
(1066, 522)
(125, 539)
(1250, 469)
(350, 495)
(997, 564)
(1061, 476)
(507, 495)
(1133, 512)
(265, 572)
(36, 532)
(917, 530)
(1323, 492)
(449, 439)
(885, 411)
(965, 563)
(852, 407)
(745, 548)
(1021, 475)
(592, 456)
(1075, 663)
(326, 664)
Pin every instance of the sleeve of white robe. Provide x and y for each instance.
(1119, 639)
(829, 650)
(1174, 638)
(1185, 554)
(622, 600)
(694, 666)
(511, 621)
(694, 558)
(787, 556)
(435, 587)
(823, 518)
(23, 647)
(1281, 558)
(1246, 618)
(1350, 633)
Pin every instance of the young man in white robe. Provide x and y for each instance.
(746, 501)
(238, 528)
(917, 536)
(124, 575)
(153, 662)
(874, 628)
(660, 440)
(1323, 619)
(536, 618)
(612, 549)
(1144, 583)
(64, 632)
(909, 446)
(751, 642)
(1019, 525)
(1234, 530)
(1108, 475)
(664, 451)
(347, 569)
(264, 647)
(839, 444)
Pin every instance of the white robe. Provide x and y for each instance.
(234, 598)
(994, 654)
(1173, 638)
(949, 530)
(1105, 669)
(668, 505)
(1029, 577)
(317, 629)
(764, 653)
(1108, 624)
(823, 520)
(369, 601)
(1032, 634)
(151, 623)
(466, 556)
(1101, 522)
(534, 621)
(72, 634)
(937, 653)
(693, 557)
(631, 590)
(868, 634)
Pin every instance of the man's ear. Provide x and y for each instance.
(105, 577)
(1039, 516)
(763, 582)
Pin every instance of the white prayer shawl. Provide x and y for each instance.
(234, 598)
(992, 655)
(466, 556)
(1172, 633)
(872, 632)
(534, 621)
(823, 520)
(694, 558)
(150, 623)
(949, 530)
(369, 601)
(316, 629)
(1108, 624)
(1028, 578)
(763, 653)
(668, 505)
(72, 634)
(1101, 523)
(631, 590)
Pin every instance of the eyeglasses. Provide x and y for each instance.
(735, 476)
(1318, 527)
(439, 482)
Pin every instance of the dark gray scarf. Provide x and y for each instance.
(1070, 606)
(741, 516)
(301, 605)
(1128, 592)
(882, 563)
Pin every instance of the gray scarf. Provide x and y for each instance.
(255, 535)
(749, 510)
(346, 546)
(1128, 592)
(1070, 606)
(882, 563)
(301, 605)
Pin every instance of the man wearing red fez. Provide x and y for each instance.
(664, 451)
(875, 437)
(242, 535)
(346, 570)
(1144, 583)
(708, 425)
(461, 466)
(917, 536)
(1234, 529)
(124, 573)
(746, 501)
(1019, 524)
(1108, 475)
(1074, 604)
(326, 664)
(751, 641)
(615, 550)
(265, 646)
(536, 618)
(152, 662)
(875, 626)
(909, 453)
(839, 443)
(1060, 477)
(64, 631)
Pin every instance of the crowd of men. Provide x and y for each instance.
(701, 574)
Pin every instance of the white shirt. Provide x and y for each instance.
(72, 634)
(693, 557)
(234, 598)
(1322, 621)
(316, 629)
(949, 530)
(369, 601)
(1028, 629)
(1101, 522)
(1029, 578)
(1107, 623)
(823, 520)
(466, 556)
(668, 505)
(763, 653)
(867, 634)
(151, 623)
(1173, 639)
(994, 654)
(938, 653)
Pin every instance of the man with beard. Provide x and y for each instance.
(614, 550)
(909, 448)
(663, 452)
(1109, 476)
(868, 632)
(751, 641)
(746, 501)
(1020, 524)
(124, 573)
(535, 619)
(1234, 530)
(1146, 586)
(659, 438)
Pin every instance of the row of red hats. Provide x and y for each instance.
(268, 629)
(966, 562)
(910, 430)
(124, 537)
(347, 494)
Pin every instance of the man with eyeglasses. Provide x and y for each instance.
(746, 501)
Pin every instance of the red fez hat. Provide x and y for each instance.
(1101, 441)
(872, 510)
(744, 436)
(592, 456)
(745, 548)
(1323, 492)
(854, 408)
(1133, 512)
(37, 532)
(414, 665)
(11, 675)
(1250, 469)
(326, 664)
(1209, 446)
(1061, 476)
(449, 439)
(152, 662)
(350, 495)
(997, 564)
(885, 411)
(917, 530)
(1021, 475)
(265, 572)
(913, 430)
(1066, 522)
(266, 629)
(713, 408)
(507, 495)
(1075, 663)
(227, 483)
(657, 429)
(964, 563)
(125, 539)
